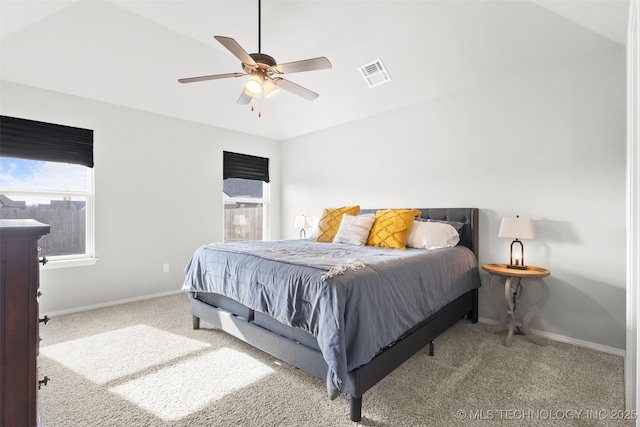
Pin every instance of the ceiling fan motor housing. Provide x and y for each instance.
(263, 61)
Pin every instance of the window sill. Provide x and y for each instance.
(68, 263)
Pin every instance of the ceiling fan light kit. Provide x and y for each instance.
(264, 72)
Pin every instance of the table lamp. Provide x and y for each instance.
(517, 228)
(302, 222)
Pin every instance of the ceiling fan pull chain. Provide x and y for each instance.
(259, 112)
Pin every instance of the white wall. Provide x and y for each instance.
(158, 194)
(550, 146)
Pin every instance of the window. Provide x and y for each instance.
(245, 197)
(46, 174)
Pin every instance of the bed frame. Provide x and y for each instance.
(243, 325)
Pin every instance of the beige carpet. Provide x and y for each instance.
(141, 364)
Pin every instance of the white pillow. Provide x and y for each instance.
(314, 227)
(354, 230)
(432, 235)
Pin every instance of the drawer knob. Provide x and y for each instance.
(43, 260)
(45, 319)
(43, 382)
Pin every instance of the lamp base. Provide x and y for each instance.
(517, 267)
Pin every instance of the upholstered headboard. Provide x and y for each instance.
(468, 216)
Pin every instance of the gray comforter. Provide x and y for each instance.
(354, 300)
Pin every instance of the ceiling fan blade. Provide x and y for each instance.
(212, 77)
(244, 98)
(295, 89)
(233, 47)
(312, 64)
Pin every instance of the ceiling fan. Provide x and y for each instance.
(264, 71)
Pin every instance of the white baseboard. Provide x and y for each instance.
(562, 338)
(111, 303)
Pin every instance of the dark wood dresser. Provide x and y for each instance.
(19, 321)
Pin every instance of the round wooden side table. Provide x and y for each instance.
(513, 286)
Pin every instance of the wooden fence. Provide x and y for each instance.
(68, 228)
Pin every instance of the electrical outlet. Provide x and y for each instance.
(165, 268)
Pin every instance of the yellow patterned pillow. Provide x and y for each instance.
(391, 228)
(330, 222)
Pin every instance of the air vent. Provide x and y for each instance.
(374, 73)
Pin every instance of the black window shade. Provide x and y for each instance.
(245, 166)
(33, 140)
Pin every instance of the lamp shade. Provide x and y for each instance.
(239, 220)
(269, 88)
(254, 85)
(302, 221)
(517, 228)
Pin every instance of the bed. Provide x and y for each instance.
(352, 314)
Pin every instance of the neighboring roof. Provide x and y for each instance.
(6, 202)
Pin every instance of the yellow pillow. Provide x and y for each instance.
(330, 222)
(391, 228)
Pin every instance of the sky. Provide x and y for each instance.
(22, 174)
(38, 175)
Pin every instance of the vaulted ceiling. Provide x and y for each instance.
(131, 53)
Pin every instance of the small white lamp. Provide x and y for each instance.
(302, 222)
(517, 228)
